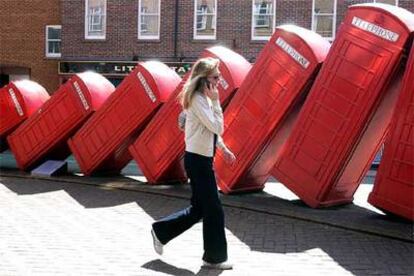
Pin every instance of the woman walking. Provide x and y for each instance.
(203, 127)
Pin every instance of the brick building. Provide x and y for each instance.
(110, 36)
(176, 31)
(24, 52)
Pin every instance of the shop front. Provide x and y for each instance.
(114, 71)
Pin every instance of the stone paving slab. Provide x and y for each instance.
(61, 228)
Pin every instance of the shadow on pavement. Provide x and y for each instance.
(259, 231)
(163, 267)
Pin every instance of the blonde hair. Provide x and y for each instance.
(201, 69)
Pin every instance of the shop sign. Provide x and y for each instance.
(112, 68)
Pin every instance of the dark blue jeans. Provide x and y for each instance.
(205, 205)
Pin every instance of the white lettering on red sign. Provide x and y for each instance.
(292, 52)
(374, 29)
(124, 68)
(224, 83)
(16, 102)
(147, 89)
(81, 96)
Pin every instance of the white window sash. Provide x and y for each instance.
(204, 15)
(256, 13)
(95, 21)
(333, 15)
(47, 49)
(264, 18)
(142, 19)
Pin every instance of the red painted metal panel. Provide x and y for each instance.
(347, 114)
(18, 100)
(44, 134)
(159, 149)
(102, 142)
(258, 115)
(394, 184)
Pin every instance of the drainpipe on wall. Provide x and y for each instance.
(176, 30)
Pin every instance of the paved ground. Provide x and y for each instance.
(62, 228)
(72, 225)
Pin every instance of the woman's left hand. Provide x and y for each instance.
(211, 92)
(229, 156)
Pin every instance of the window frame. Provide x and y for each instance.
(47, 40)
(334, 14)
(262, 38)
(149, 37)
(204, 37)
(95, 37)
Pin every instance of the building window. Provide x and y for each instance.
(324, 18)
(205, 13)
(391, 2)
(149, 19)
(95, 19)
(53, 41)
(263, 19)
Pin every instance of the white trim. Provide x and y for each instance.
(259, 38)
(47, 40)
(204, 37)
(149, 37)
(326, 14)
(95, 37)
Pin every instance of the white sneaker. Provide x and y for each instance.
(158, 246)
(221, 266)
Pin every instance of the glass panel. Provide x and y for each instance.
(324, 6)
(149, 6)
(263, 25)
(206, 13)
(209, 4)
(54, 47)
(96, 17)
(324, 25)
(53, 33)
(263, 7)
(96, 3)
(149, 25)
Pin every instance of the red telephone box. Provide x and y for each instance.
(102, 142)
(394, 184)
(258, 114)
(44, 135)
(348, 111)
(18, 100)
(160, 147)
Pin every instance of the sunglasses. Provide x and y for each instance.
(215, 77)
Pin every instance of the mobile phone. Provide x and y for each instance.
(204, 82)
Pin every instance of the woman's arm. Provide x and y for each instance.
(211, 119)
(220, 143)
(227, 153)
